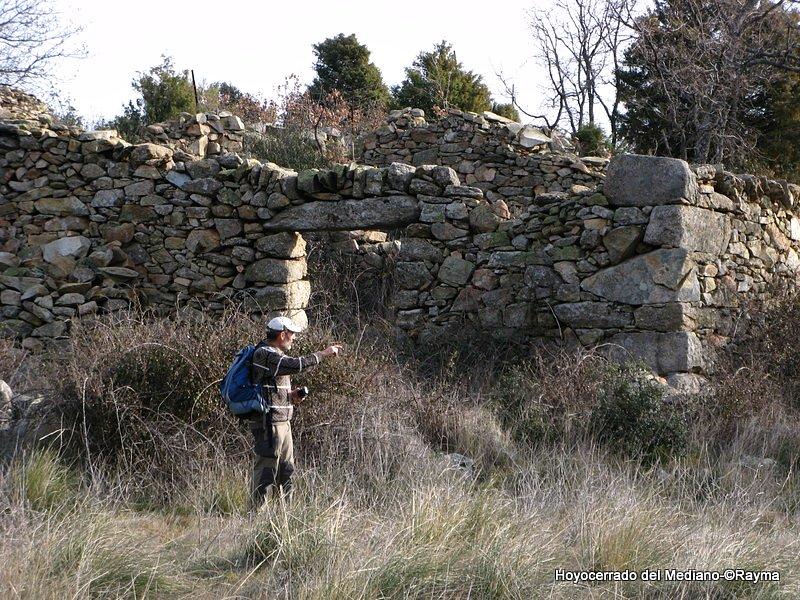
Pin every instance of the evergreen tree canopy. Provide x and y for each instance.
(343, 64)
(437, 78)
(713, 81)
(779, 127)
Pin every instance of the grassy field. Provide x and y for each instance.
(145, 493)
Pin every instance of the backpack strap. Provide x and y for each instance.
(266, 407)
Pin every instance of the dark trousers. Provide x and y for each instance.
(273, 461)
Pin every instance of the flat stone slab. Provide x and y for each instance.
(665, 275)
(674, 352)
(274, 270)
(370, 213)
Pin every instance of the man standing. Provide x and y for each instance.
(272, 431)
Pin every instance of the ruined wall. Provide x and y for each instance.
(507, 160)
(198, 136)
(655, 259)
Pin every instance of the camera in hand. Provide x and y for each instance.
(302, 392)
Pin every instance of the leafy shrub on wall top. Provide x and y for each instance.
(506, 110)
(289, 147)
(163, 94)
(591, 140)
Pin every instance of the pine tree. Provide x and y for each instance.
(342, 63)
(437, 78)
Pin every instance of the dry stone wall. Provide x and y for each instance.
(507, 160)
(650, 258)
(198, 136)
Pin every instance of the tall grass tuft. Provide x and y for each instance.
(41, 481)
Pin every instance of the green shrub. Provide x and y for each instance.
(631, 416)
(148, 386)
(591, 140)
(145, 390)
(507, 110)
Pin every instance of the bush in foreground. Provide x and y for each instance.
(632, 417)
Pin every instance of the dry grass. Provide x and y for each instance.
(401, 523)
(379, 510)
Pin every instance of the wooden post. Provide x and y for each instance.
(196, 103)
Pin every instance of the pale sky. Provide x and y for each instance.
(256, 45)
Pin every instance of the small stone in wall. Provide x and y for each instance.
(621, 242)
(455, 271)
(149, 154)
(456, 211)
(72, 299)
(177, 179)
(228, 228)
(629, 215)
(101, 258)
(415, 249)
(10, 298)
(485, 173)
(517, 316)
(8, 260)
(462, 191)
(420, 186)
(88, 308)
(92, 171)
(200, 169)
(277, 201)
(408, 319)
(282, 245)
(198, 146)
(484, 279)
(483, 219)
(74, 246)
(108, 198)
(202, 240)
(52, 329)
(120, 273)
(61, 206)
(403, 299)
(399, 176)
(444, 176)
(205, 186)
(467, 300)
(412, 275)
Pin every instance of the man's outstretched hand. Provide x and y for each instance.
(332, 350)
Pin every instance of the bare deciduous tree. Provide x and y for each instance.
(580, 44)
(32, 36)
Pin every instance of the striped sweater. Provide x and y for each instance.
(272, 368)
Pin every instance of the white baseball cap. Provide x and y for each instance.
(281, 323)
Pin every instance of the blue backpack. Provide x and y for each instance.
(244, 398)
